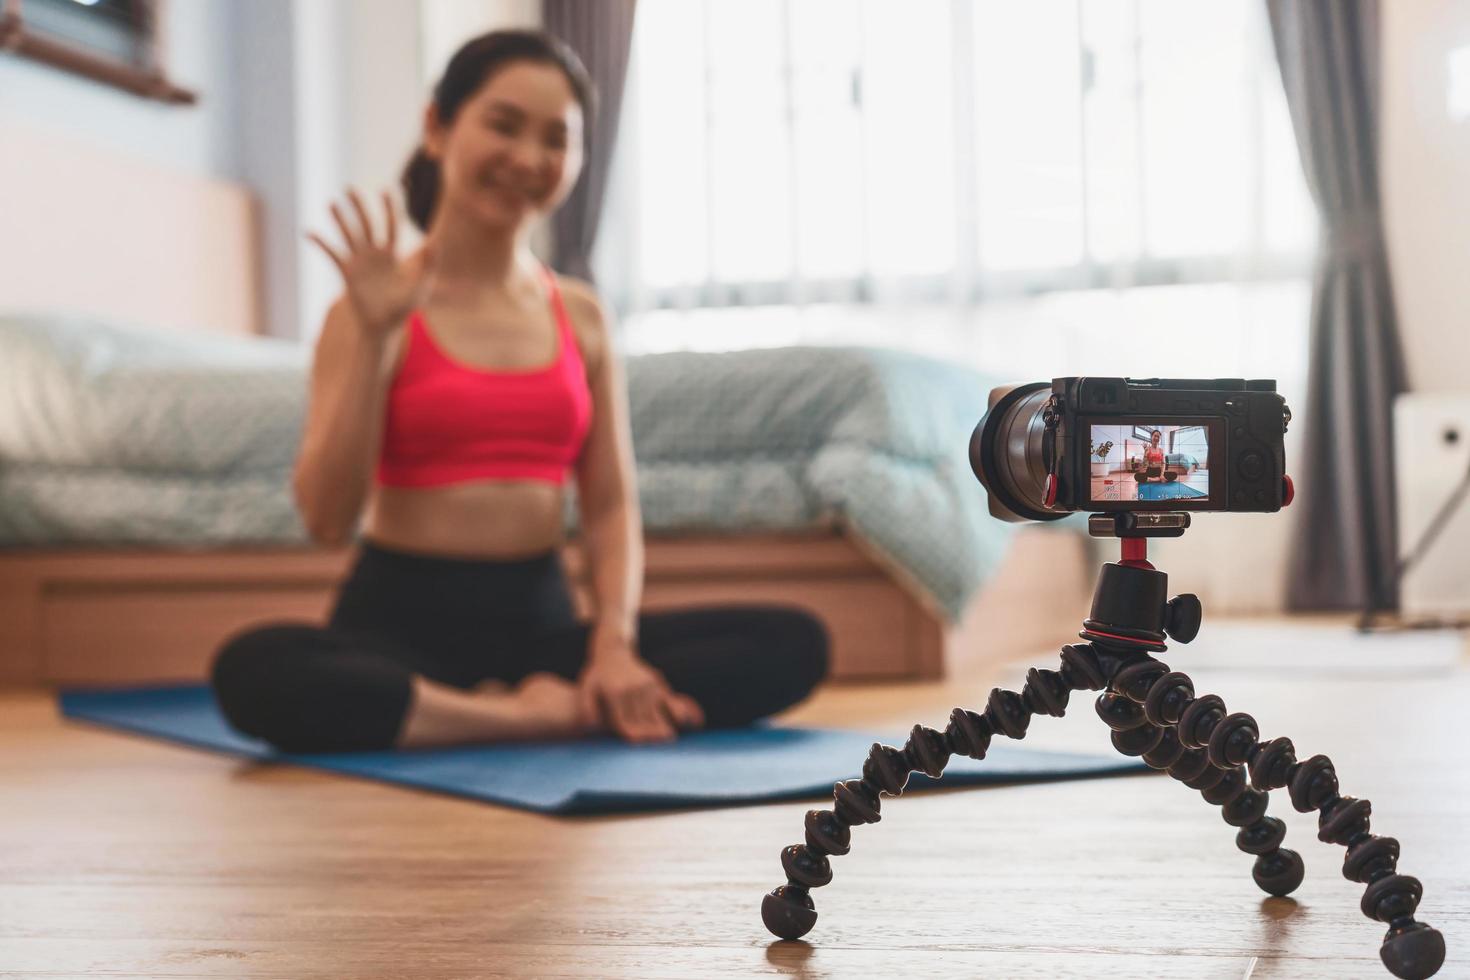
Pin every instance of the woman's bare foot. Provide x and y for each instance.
(550, 706)
(543, 706)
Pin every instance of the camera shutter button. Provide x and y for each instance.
(1251, 465)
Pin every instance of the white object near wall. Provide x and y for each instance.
(1431, 457)
(1457, 91)
(1424, 150)
(92, 230)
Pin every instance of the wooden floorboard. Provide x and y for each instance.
(122, 857)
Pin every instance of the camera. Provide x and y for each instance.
(1044, 450)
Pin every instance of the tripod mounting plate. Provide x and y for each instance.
(1138, 524)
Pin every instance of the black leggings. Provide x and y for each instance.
(347, 685)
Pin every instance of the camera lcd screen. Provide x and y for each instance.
(1145, 462)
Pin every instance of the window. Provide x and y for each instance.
(1191, 439)
(791, 152)
(112, 41)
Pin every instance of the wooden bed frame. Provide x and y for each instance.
(109, 617)
(98, 617)
(94, 616)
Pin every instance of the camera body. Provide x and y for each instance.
(1120, 445)
(1125, 444)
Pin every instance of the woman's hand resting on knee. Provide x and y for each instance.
(619, 690)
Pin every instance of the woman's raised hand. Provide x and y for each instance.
(383, 289)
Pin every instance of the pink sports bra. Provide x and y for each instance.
(449, 422)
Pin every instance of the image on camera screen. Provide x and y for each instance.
(1141, 461)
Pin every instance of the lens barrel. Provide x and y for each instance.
(1006, 453)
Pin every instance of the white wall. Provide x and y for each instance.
(1426, 188)
(298, 99)
(238, 59)
(266, 77)
(446, 24)
(199, 139)
(359, 97)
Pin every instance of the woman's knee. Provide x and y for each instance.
(804, 645)
(249, 657)
(796, 650)
(252, 669)
(308, 689)
(740, 662)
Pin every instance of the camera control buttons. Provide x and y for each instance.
(1251, 465)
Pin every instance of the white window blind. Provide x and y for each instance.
(787, 152)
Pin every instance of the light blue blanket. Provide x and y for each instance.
(872, 440)
(112, 435)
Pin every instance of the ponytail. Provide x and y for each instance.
(420, 182)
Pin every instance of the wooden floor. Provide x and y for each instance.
(122, 857)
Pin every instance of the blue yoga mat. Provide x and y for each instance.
(1168, 491)
(720, 768)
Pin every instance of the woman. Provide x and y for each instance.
(1152, 466)
(452, 393)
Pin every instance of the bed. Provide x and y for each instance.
(144, 473)
(144, 483)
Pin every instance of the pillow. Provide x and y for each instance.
(79, 391)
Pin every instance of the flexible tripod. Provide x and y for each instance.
(1153, 713)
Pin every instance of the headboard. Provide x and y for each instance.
(87, 230)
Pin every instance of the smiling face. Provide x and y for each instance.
(1155, 437)
(513, 151)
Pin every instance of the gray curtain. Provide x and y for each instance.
(1344, 553)
(601, 32)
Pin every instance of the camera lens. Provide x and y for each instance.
(1006, 453)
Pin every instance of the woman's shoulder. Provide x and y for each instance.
(582, 301)
(590, 320)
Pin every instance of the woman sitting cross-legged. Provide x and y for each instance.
(453, 391)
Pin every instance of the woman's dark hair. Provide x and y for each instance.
(470, 68)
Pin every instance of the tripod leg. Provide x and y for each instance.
(1411, 949)
(788, 911)
(1277, 870)
(1210, 743)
